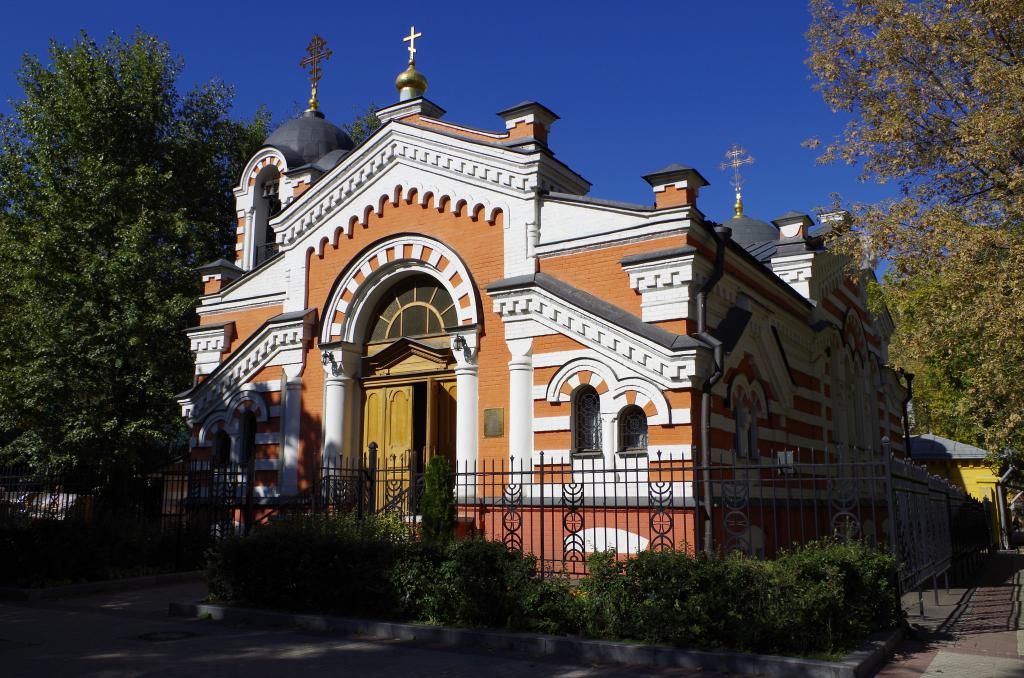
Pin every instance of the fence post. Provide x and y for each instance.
(541, 514)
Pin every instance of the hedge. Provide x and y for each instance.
(821, 599)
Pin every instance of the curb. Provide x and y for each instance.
(854, 665)
(130, 584)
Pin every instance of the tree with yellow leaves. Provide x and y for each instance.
(935, 91)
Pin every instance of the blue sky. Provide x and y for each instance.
(637, 85)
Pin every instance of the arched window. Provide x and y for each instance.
(266, 205)
(416, 307)
(632, 429)
(586, 420)
(247, 450)
(222, 448)
(741, 440)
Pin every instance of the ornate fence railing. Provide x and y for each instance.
(561, 508)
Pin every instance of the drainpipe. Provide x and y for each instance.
(722, 235)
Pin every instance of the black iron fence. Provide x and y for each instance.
(562, 508)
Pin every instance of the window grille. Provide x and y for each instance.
(633, 429)
(222, 448)
(248, 447)
(586, 416)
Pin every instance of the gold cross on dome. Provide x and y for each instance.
(735, 158)
(411, 39)
(317, 51)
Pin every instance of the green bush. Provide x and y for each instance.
(321, 563)
(437, 505)
(823, 598)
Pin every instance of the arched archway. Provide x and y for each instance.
(403, 317)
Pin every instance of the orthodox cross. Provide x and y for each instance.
(411, 39)
(317, 51)
(735, 158)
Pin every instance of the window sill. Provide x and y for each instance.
(633, 453)
(587, 454)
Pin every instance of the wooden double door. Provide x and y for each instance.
(410, 420)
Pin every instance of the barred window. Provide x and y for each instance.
(222, 448)
(633, 429)
(586, 420)
(248, 447)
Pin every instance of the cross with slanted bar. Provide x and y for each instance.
(735, 158)
(317, 51)
(411, 39)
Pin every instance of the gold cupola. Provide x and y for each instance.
(410, 83)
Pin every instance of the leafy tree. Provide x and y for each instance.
(438, 503)
(934, 90)
(363, 125)
(113, 187)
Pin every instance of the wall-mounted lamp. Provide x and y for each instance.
(328, 359)
(459, 344)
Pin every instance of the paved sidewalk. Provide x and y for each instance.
(130, 634)
(985, 640)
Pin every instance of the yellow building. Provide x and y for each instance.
(959, 463)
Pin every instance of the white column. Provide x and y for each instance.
(340, 363)
(520, 401)
(291, 414)
(335, 391)
(467, 386)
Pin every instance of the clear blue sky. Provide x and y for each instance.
(637, 85)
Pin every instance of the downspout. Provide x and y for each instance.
(722, 235)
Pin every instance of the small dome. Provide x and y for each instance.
(747, 231)
(410, 83)
(308, 138)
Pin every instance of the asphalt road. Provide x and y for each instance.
(130, 634)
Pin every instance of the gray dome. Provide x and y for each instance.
(306, 139)
(747, 231)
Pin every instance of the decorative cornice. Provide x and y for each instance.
(281, 340)
(667, 368)
(333, 193)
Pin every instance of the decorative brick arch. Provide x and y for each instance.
(259, 162)
(380, 264)
(229, 417)
(615, 393)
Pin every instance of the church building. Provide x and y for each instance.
(444, 290)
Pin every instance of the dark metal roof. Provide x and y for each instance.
(931, 446)
(527, 104)
(600, 308)
(747, 231)
(665, 173)
(791, 214)
(306, 139)
(763, 251)
(657, 255)
(219, 264)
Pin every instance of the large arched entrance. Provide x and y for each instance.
(408, 381)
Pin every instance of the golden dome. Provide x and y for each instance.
(410, 83)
